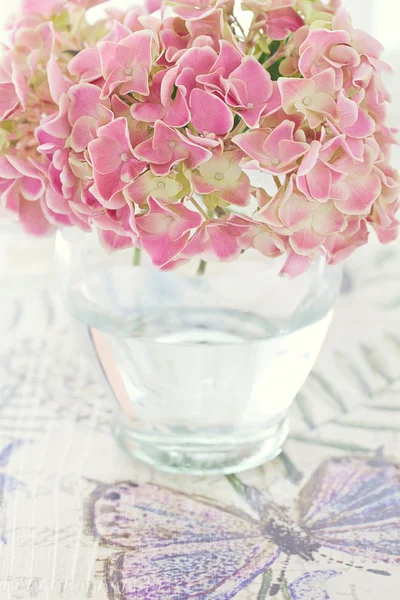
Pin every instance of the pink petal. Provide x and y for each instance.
(149, 112)
(310, 159)
(256, 78)
(306, 241)
(105, 155)
(223, 245)
(85, 102)
(83, 132)
(319, 182)
(139, 82)
(86, 65)
(32, 218)
(295, 212)
(252, 143)
(363, 191)
(58, 84)
(43, 7)
(8, 100)
(31, 188)
(363, 127)
(112, 241)
(161, 248)
(295, 265)
(328, 220)
(294, 90)
(209, 113)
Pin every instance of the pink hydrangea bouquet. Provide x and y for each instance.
(176, 130)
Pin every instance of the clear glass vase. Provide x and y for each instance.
(202, 369)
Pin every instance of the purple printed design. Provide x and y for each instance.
(177, 543)
(172, 544)
(8, 483)
(310, 586)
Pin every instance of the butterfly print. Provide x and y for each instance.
(173, 546)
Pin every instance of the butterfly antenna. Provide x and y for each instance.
(354, 565)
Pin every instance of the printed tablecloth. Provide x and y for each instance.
(78, 519)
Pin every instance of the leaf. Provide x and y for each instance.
(263, 58)
(236, 121)
(293, 474)
(383, 408)
(265, 585)
(237, 484)
(375, 362)
(345, 364)
(302, 403)
(274, 46)
(330, 390)
(274, 71)
(314, 441)
(286, 595)
(368, 426)
(392, 339)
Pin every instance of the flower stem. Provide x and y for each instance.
(136, 257)
(197, 205)
(277, 182)
(276, 56)
(202, 268)
(237, 23)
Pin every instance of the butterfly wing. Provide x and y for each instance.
(176, 543)
(311, 586)
(352, 504)
(135, 516)
(216, 571)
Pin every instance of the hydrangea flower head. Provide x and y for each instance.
(149, 128)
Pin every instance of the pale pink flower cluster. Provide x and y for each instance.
(149, 129)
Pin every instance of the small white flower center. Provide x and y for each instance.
(219, 176)
(307, 101)
(250, 105)
(275, 161)
(128, 71)
(172, 144)
(161, 185)
(125, 157)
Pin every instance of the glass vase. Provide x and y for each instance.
(201, 368)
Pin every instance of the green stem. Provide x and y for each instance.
(137, 255)
(202, 268)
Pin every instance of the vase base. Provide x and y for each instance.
(203, 457)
